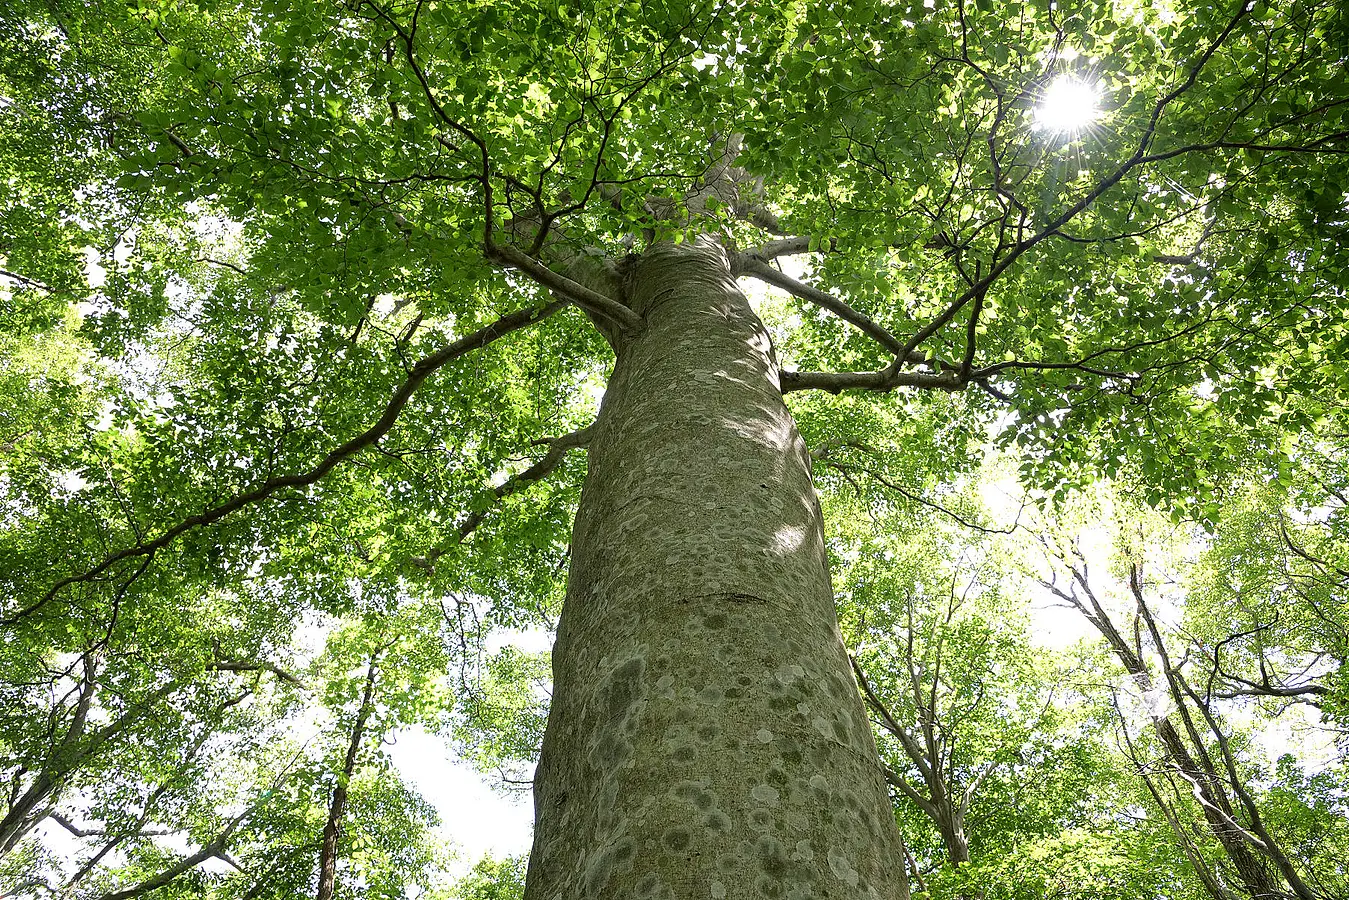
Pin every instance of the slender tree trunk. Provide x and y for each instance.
(1202, 869)
(706, 739)
(1259, 882)
(332, 829)
(29, 808)
(952, 828)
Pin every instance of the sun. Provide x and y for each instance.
(1068, 105)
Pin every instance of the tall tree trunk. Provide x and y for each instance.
(1259, 882)
(706, 739)
(332, 829)
(26, 810)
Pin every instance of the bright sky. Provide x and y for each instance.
(1068, 105)
(478, 820)
(478, 816)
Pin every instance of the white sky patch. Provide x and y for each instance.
(105, 416)
(1299, 730)
(215, 227)
(478, 820)
(125, 247)
(1055, 626)
(528, 640)
(1139, 707)
(94, 273)
(70, 482)
(476, 817)
(176, 289)
(63, 846)
(594, 392)
(776, 307)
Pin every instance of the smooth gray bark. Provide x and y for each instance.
(706, 739)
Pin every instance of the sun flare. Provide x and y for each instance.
(1068, 105)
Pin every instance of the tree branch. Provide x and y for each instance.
(788, 246)
(213, 848)
(758, 268)
(582, 296)
(884, 380)
(363, 441)
(557, 449)
(823, 455)
(332, 828)
(911, 749)
(26, 281)
(979, 288)
(235, 665)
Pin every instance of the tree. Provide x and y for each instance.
(946, 670)
(1200, 755)
(1002, 782)
(349, 241)
(493, 880)
(1267, 605)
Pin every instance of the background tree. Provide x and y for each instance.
(1202, 756)
(1267, 604)
(946, 670)
(956, 673)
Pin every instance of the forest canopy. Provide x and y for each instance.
(921, 425)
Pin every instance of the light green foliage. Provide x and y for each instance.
(504, 712)
(1211, 682)
(944, 638)
(492, 879)
(1076, 864)
(1267, 601)
(1310, 812)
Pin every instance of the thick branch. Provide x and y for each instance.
(238, 665)
(582, 296)
(884, 380)
(103, 832)
(911, 749)
(758, 268)
(214, 848)
(788, 246)
(1269, 845)
(894, 779)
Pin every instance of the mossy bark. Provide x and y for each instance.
(706, 738)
